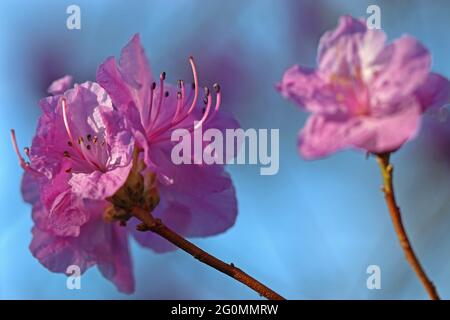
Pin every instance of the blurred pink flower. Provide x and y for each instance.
(195, 200)
(364, 94)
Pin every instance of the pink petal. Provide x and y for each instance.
(60, 85)
(307, 88)
(435, 92)
(110, 79)
(116, 264)
(323, 136)
(135, 71)
(346, 28)
(403, 67)
(99, 185)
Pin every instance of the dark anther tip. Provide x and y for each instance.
(163, 76)
(153, 85)
(216, 87)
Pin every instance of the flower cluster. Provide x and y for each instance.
(102, 148)
(365, 93)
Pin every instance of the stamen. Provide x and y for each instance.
(89, 137)
(180, 102)
(150, 108)
(27, 151)
(69, 170)
(88, 147)
(162, 77)
(217, 89)
(208, 102)
(66, 154)
(70, 144)
(194, 72)
(25, 165)
(66, 121)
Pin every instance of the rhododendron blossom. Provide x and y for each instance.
(81, 154)
(365, 93)
(97, 156)
(195, 200)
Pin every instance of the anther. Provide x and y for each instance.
(166, 94)
(26, 150)
(66, 154)
(216, 87)
(153, 85)
(163, 76)
(89, 137)
(206, 89)
(70, 143)
(69, 170)
(88, 147)
(95, 139)
(180, 83)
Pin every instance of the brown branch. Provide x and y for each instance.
(149, 223)
(388, 189)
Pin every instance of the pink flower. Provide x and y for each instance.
(195, 200)
(81, 154)
(364, 94)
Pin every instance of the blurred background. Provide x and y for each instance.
(308, 232)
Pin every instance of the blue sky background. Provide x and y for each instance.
(308, 232)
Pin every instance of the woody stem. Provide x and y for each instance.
(388, 189)
(149, 223)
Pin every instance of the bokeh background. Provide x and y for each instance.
(310, 231)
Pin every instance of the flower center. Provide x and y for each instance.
(90, 149)
(352, 93)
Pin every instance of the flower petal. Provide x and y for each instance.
(135, 70)
(347, 27)
(307, 88)
(99, 243)
(323, 135)
(402, 67)
(434, 93)
(97, 185)
(60, 85)
(115, 263)
(110, 79)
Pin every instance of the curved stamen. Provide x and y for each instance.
(26, 150)
(79, 145)
(66, 121)
(218, 96)
(162, 77)
(180, 102)
(150, 107)
(194, 72)
(208, 102)
(191, 108)
(23, 164)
